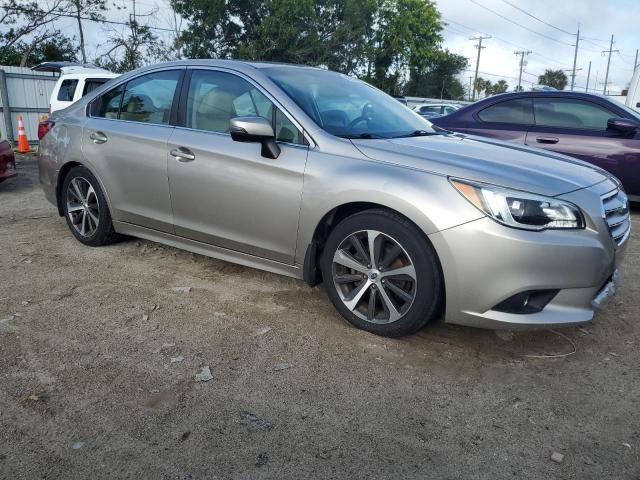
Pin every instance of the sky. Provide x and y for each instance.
(551, 47)
(551, 42)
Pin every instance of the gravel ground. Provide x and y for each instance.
(99, 349)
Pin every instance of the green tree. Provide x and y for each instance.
(130, 49)
(553, 78)
(23, 54)
(392, 44)
(439, 78)
(500, 86)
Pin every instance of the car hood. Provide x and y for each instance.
(488, 161)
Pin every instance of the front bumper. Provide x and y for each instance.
(485, 263)
(9, 170)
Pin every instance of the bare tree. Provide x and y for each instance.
(30, 17)
(87, 10)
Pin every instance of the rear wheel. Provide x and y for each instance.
(85, 208)
(382, 274)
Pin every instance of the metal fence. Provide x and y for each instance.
(27, 93)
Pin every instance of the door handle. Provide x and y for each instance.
(98, 137)
(547, 140)
(182, 154)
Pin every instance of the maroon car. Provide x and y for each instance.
(590, 127)
(7, 161)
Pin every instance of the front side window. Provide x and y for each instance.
(432, 109)
(148, 98)
(518, 111)
(217, 97)
(67, 90)
(345, 106)
(571, 113)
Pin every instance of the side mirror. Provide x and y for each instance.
(255, 129)
(623, 125)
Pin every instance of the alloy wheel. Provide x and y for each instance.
(374, 276)
(83, 207)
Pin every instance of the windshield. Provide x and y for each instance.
(348, 107)
(624, 107)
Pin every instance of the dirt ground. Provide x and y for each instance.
(99, 349)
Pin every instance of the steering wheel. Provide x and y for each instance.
(368, 113)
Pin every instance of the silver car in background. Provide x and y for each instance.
(317, 175)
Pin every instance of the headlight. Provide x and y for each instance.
(521, 209)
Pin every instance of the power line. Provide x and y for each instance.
(520, 25)
(112, 22)
(536, 18)
(502, 40)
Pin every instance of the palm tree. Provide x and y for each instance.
(480, 85)
(500, 86)
(553, 78)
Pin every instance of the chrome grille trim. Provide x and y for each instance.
(615, 207)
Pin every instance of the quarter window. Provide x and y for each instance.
(67, 90)
(571, 113)
(217, 97)
(518, 111)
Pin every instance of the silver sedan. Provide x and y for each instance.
(317, 175)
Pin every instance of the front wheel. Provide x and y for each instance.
(382, 274)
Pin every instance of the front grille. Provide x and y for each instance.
(616, 214)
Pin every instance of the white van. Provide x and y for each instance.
(633, 95)
(74, 83)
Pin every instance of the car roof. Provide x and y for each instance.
(544, 93)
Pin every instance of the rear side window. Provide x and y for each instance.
(67, 90)
(518, 111)
(108, 105)
(571, 113)
(146, 99)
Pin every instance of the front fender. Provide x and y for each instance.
(331, 181)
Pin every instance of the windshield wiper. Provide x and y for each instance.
(416, 133)
(360, 135)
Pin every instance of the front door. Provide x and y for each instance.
(125, 140)
(578, 128)
(224, 192)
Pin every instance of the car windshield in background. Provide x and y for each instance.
(348, 107)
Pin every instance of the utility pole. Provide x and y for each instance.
(635, 63)
(575, 59)
(479, 47)
(522, 54)
(606, 77)
(588, 77)
(470, 86)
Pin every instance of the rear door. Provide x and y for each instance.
(224, 192)
(125, 140)
(508, 120)
(578, 128)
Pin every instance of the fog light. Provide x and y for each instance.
(531, 301)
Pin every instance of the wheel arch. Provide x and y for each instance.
(64, 171)
(311, 270)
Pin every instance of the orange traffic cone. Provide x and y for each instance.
(23, 143)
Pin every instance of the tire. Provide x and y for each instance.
(85, 208)
(404, 301)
